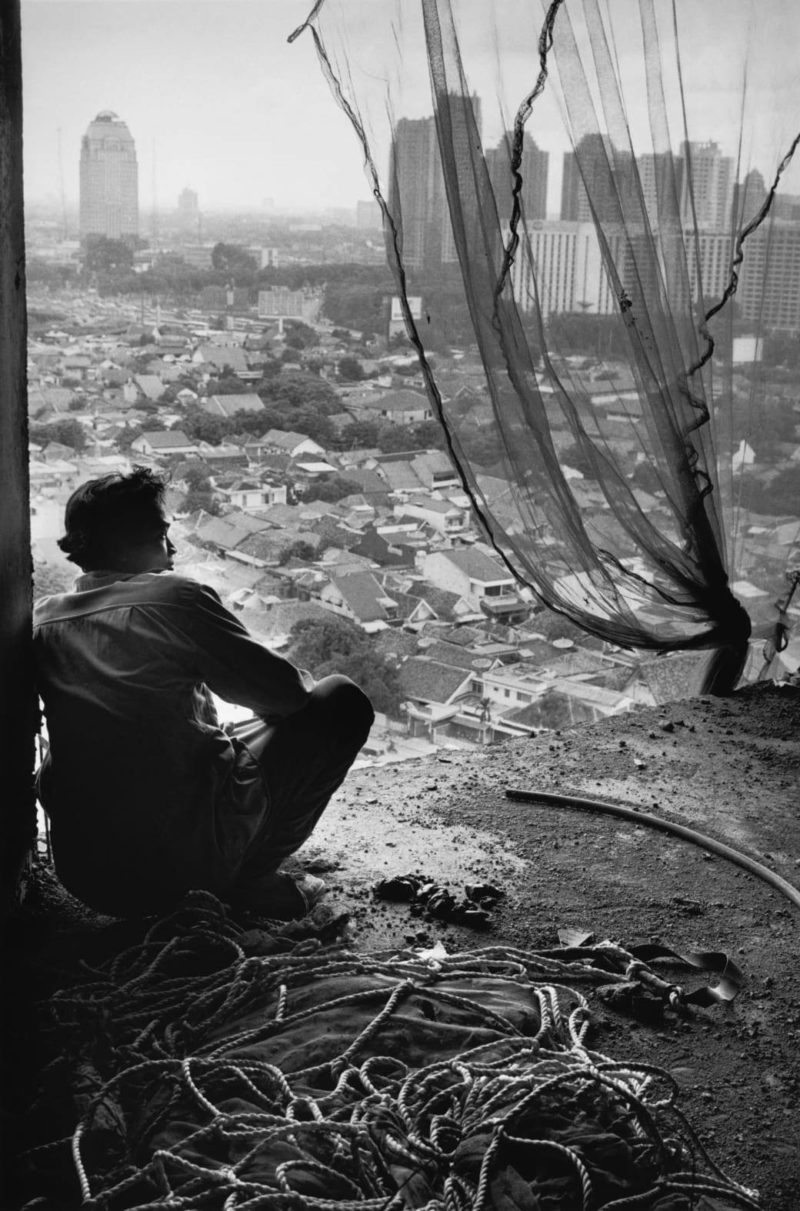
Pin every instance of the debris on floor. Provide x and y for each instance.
(438, 903)
(205, 1069)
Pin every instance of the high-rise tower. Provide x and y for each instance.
(533, 170)
(189, 219)
(707, 187)
(416, 181)
(417, 190)
(608, 173)
(109, 180)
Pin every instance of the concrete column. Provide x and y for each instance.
(17, 702)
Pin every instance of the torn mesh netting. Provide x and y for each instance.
(551, 446)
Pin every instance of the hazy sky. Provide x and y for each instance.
(211, 88)
(216, 98)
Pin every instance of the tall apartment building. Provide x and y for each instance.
(188, 202)
(661, 181)
(189, 210)
(417, 190)
(464, 118)
(368, 215)
(768, 293)
(561, 266)
(416, 183)
(710, 177)
(713, 271)
(769, 284)
(610, 175)
(748, 198)
(109, 180)
(533, 170)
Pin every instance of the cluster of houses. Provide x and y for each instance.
(399, 555)
(472, 662)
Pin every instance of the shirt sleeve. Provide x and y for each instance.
(233, 664)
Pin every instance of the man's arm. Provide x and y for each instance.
(233, 664)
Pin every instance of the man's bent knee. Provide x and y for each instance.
(348, 706)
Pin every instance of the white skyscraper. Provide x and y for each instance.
(109, 181)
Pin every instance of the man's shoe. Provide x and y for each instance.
(278, 896)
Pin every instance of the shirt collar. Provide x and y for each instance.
(101, 578)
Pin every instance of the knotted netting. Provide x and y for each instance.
(599, 320)
(213, 1068)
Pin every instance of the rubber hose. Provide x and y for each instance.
(666, 826)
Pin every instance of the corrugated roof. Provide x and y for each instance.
(433, 461)
(450, 654)
(475, 564)
(432, 505)
(363, 594)
(162, 439)
(149, 384)
(398, 401)
(570, 663)
(586, 692)
(464, 636)
(441, 601)
(368, 481)
(286, 439)
(228, 531)
(223, 355)
(269, 544)
(429, 680)
(284, 515)
(401, 477)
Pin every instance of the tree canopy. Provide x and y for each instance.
(350, 369)
(67, 432)
(200, 496)
(298, 389)
(233, 259)
(330, 488)
(315, 642)
(298, 335)
(338, 646)
(104, 255)
(358, 305)
(50, 578)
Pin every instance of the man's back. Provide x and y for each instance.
(141, 780)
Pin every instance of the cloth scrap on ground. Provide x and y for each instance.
(208, 1070)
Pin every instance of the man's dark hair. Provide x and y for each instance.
(114, 508)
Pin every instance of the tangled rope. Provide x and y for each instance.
(215, 1077)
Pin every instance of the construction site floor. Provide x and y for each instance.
(728, 768)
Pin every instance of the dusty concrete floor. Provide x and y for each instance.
(727, 768)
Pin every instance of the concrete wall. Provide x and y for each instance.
(17, 819)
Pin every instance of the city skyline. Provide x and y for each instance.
(209, 91)
(218, 101)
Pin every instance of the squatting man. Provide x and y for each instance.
(147, 795)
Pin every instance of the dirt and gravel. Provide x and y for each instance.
(728, 768)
